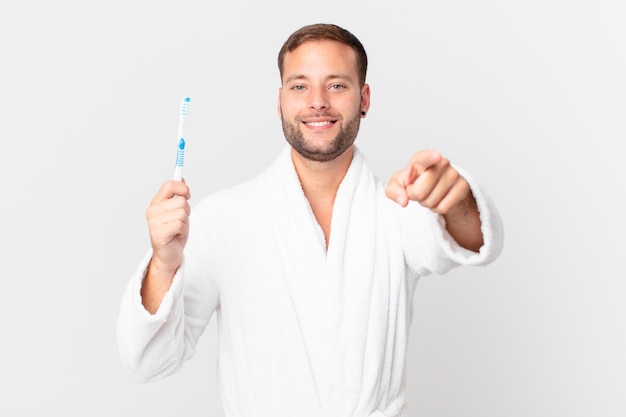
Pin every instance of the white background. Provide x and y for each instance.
(529, 96)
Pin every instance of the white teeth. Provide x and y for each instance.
(318, 123)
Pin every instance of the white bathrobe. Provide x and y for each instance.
(303, 331)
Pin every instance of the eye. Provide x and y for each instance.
(298, 87)
(336, 86)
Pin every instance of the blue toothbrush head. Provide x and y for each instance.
(184, 106)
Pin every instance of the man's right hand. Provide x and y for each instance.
(168, 223)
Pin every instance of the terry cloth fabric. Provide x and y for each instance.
(302, 330)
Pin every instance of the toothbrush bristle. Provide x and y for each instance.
(184, 106)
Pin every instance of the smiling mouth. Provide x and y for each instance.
(319, 124)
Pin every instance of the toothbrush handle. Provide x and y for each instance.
(180, 159)
(178, 173)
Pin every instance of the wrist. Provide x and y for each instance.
(161, 270)
(463, 209)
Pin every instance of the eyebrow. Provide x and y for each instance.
(304, 77)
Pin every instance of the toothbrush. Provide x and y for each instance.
(180, 153)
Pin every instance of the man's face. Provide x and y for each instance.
(320, 101)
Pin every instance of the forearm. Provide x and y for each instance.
(464, 225)
(150, 344)
(156, 284)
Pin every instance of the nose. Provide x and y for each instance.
(318, 99)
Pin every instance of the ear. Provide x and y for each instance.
(278, 108)
(365, 99)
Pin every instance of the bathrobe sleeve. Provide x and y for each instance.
(153, 346)
(429, 248)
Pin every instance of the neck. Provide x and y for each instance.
(320, 182)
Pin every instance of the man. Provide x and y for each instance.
(312, 265)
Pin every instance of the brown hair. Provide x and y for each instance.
(323, 31)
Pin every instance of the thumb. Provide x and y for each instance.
(396, 188)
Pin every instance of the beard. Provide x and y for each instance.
(340, 143)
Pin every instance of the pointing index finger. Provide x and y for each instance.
(423, 160)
